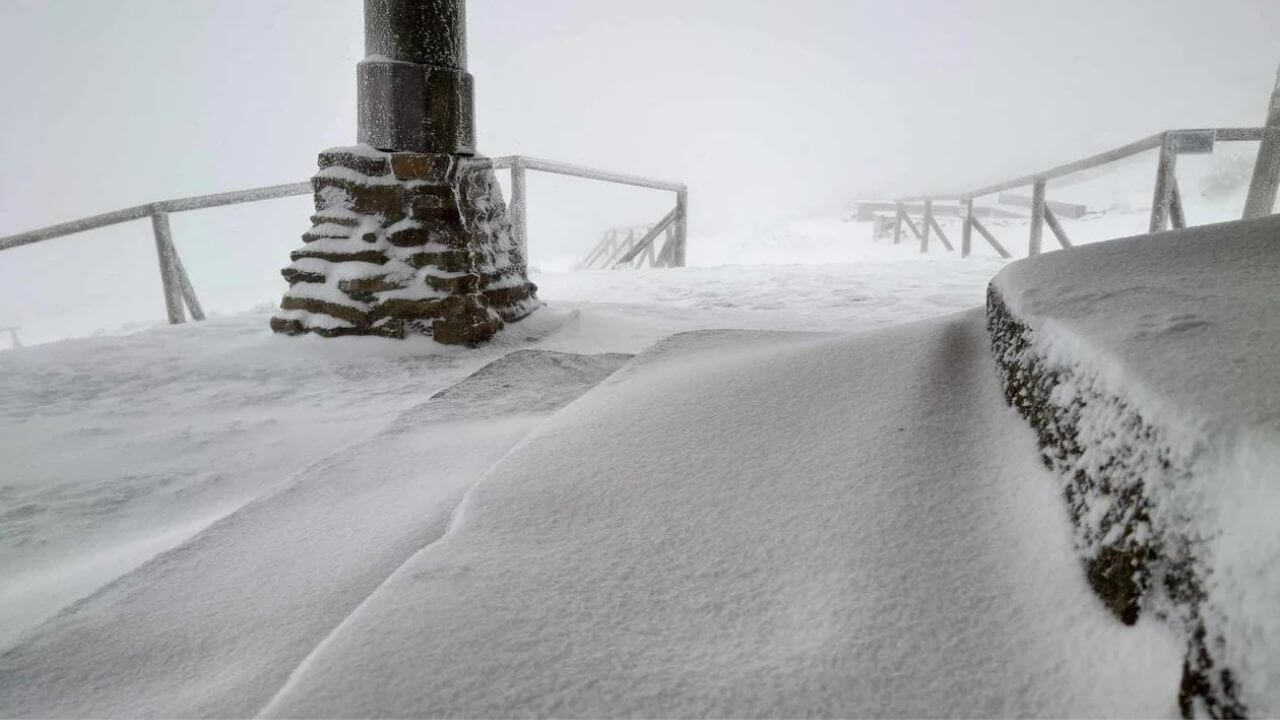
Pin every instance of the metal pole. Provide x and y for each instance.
(415, 94)
(928, 218)
(682, 227)
(1037, 217)
(1177, 214)
(1162, 196)
(966, 232)
(168, 268)
(519, 220)
(1266, 170)
(188, 292)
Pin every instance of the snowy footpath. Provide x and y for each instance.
(828, 509)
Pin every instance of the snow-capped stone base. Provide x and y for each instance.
(405, 243)
(1107, 477)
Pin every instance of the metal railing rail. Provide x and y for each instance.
(679, 216)
(178, 291)
(1166, 206)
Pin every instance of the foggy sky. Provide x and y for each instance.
(759, 106)
(766, 109)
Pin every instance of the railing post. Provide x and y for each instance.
(188, 292)
(897, 225)
(1163, 195)
(168, 268)
(1266, 169)
(966, 231)
(519, 203)
(1037, 217)
(682, 228)
(928, 220)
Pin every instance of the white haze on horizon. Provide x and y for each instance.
(766, 109)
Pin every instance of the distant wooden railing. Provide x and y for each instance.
(178, 290)
(677, 220)
(1166, 207)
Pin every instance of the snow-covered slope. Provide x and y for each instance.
(1149, 368)
(746, 524)
(212, 627)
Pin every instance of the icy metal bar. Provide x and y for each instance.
(201, 202)
(165, 253)
(188, 292)
(648, 238)
(519, 219)
(991, 239)
(75, 226)
(924, 225)
(1177, 216)
(1037, 217)
(1261, 199)
(966, 232)
(941, 235)
(682, 228)
(560, 168)
(1161, 196)
(911, 225)
(1051, 218)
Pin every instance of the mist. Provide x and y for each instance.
(767, 110)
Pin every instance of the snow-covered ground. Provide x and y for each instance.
(735, 523)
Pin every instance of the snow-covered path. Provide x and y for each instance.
(213, 627)
(756, 524)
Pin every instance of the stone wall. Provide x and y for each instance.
(1135, 560)
(405, 243)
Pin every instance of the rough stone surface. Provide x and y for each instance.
(405, 243)
(1133, 563)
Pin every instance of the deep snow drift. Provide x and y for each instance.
(734, 523)
(743, 524)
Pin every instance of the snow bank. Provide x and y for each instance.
(213, 627)
(1148, 367)
(754, 524)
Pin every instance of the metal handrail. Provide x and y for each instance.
(1166, 205)
(178, 290)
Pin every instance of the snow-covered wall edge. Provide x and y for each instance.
(1156, 504)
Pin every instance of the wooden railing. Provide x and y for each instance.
(178, 291)
(1166, 204)
(677, 220)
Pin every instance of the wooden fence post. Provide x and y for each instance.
(966, 231)
(166, 254)
(188, 292)
(682, 228)
(1266, 169)
(1163, 194)
(1037, 217)
(519, 202)
(928, 217)
(897, 225)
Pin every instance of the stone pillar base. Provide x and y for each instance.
(406, 243)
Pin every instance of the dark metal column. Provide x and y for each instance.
(415, 92)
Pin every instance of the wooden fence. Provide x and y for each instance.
(179, 294)
(1166, 205)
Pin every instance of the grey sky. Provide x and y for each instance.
(766, 109)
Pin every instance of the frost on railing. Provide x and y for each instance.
(180, 297)
(1166, 206)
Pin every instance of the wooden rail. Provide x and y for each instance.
(678, 218)
(1167, 208)
(179, 294)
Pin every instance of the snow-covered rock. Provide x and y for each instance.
(1148, 367)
